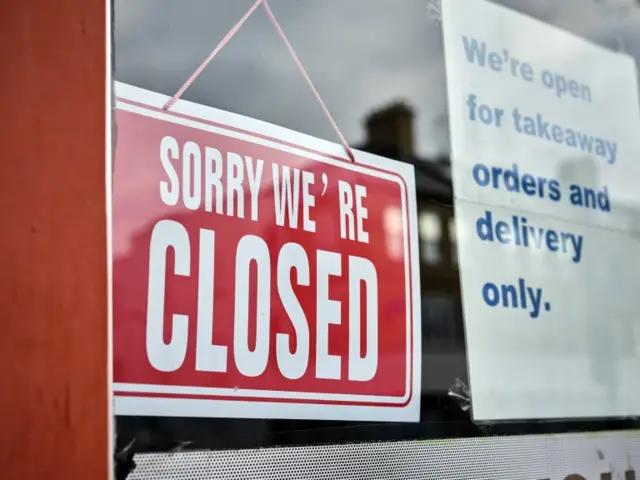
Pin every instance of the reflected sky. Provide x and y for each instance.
(360, 54)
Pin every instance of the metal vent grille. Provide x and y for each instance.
(508, 458)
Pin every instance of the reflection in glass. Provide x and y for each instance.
(430, 237)
(378, 67)
(453, 242)
(393, 232)
(439, 319)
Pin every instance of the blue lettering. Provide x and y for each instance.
(488, 115)
(554, 190)
(585, 141)
(538, 127)
(496, 172)
(516, 296)
(503, 232)
(495, 62)
(513, 181)
(478, 170)
(519, 233)
(477, 53)
(528, 184)
(490, 294)
(473, 51)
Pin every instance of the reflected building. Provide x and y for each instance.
(390, 134)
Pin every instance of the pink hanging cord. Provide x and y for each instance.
(278, 28)
(207, 60)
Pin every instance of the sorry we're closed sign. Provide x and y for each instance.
(254, 266)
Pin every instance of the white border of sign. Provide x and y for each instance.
(400, 173)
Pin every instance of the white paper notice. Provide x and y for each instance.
(545, 131)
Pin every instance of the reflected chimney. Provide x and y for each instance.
(392, 128)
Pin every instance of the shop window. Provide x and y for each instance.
(256, 78)
(439, 319)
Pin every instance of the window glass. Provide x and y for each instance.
(378, 67)
(441, 318)
(431, 237)
(453, 241)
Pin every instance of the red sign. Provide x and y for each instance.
(256, 274)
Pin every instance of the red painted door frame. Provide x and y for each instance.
(53, 240)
